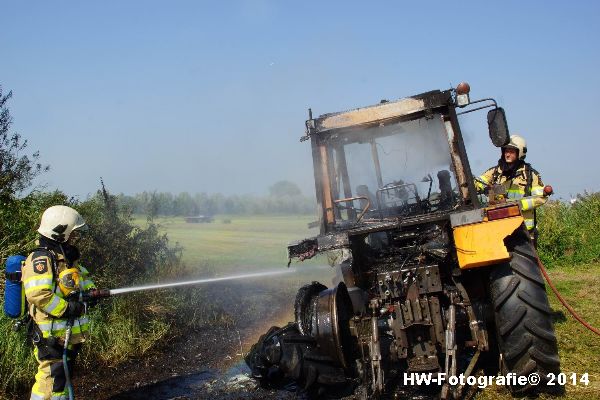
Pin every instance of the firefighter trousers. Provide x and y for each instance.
(50, 379)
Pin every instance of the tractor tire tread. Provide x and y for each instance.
(512, 320)
(540, 332)
(506, 293)
(521, 269)
(544, 358)
(522, 346)
(523, 317)
(533, 302)
(528, 368)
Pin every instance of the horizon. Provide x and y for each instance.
(203, 97)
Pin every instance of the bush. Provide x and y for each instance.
(17, 364)
(118, 254)
(570, 233)
(17, 170)
(20, 218)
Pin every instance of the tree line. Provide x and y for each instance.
(113, 243)
(156, 203)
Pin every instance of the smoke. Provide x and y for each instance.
(407, 152)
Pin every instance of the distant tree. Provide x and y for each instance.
(165, 203)
(211, 205)
(115, 243)
(17, 170)
(128, 203)
(152, 206)
(184, 205)
(218, 203)
(284, 188)
(229, 205)
(201, 200)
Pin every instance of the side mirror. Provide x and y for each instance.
(498, 127)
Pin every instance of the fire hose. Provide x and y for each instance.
(93, 295)
(65, 359)
(547, 192)
(563, 301)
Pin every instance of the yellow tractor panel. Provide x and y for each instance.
(481, 244)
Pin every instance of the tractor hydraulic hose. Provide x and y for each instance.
(564, 302)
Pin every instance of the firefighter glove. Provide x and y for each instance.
(90, 299)
(74, 309)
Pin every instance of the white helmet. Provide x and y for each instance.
(517, 142)
(59, 221)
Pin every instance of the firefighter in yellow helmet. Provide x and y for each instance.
(520, 180)
(52, 278)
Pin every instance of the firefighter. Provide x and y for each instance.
(52, 279)
(520, 180)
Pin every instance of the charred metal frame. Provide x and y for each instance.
(320, 129)
(400, 300)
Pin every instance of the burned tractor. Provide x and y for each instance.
(433, 277)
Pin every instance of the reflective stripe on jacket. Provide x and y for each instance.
(516, 189)
(46, 301)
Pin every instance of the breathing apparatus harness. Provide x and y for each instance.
(68, 282)
(36, 335)
(529, 170)
(19, 300)
(528, 174)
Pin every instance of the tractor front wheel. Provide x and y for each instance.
(523, 317)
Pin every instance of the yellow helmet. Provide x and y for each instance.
(518, 143)
(59, 221)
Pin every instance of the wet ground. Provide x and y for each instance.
(206, 362)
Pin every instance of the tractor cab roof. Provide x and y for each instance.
(387, 111)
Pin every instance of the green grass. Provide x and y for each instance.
(579, 349)
(252, 243)
(120, 333)
(247, 243)
(17, 364)
(259, 241)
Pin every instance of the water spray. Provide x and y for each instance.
(102, 293)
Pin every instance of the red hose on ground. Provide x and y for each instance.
(564, 302)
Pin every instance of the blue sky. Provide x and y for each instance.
(212, 96)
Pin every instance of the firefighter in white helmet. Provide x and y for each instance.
(52, 278)
(520, 180)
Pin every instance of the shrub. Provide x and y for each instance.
(117, 253)
(570, 233)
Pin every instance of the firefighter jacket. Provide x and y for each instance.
(46, 301)
(525, 185)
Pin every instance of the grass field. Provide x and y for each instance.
(579, 349)
(245, 243)
(259, 242)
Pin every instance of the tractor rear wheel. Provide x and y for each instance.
(523, 317)
(303, 306)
